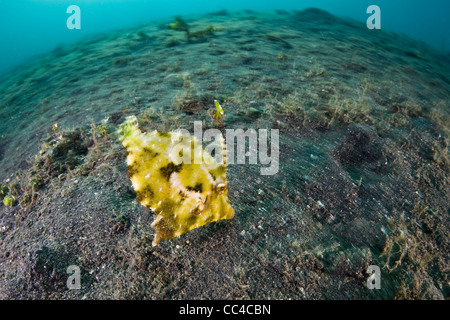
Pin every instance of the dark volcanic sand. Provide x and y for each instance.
(363, 178)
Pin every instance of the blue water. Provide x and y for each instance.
(31, 27)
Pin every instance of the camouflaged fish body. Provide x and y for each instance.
(184, 195)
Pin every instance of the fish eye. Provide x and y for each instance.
(221, 187)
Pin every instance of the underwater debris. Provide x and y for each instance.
(183, 195)
(219, 110)
(9, 200)
(197, 36)
(200, 35)
(3, 190)
(217, 115)
(59, 154)
(102, 128)
(179, 25)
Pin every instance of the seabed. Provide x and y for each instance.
(363, 119)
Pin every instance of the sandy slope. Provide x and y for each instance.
(363, 178)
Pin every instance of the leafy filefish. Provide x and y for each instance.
(184, 195)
